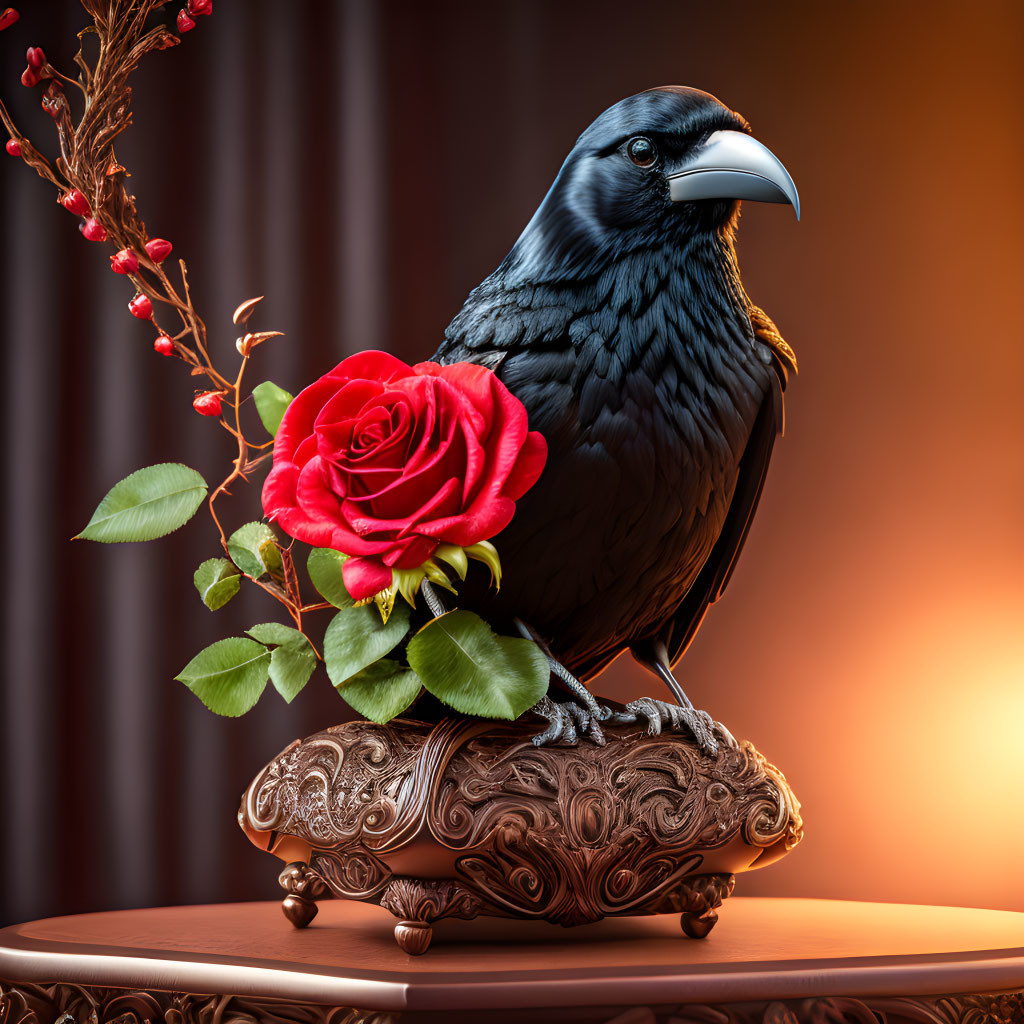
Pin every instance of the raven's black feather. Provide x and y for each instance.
(619, 320)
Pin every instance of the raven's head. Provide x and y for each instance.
(660, 167)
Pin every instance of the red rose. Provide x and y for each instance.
(384, 462)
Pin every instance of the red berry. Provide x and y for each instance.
(141, 307)
(158, 249)
(198, 7)
(124, 262)
(185, 23)
(76, 203)
(207, 404)
(8, 18)
(35, 57)
(13, 147)
(94, 231)
(164, 345)
(29, 78)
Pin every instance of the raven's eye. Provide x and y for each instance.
(642, 151)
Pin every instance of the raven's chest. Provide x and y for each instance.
(644, 450)
(675, 421)
(645, 380)
(665, 419)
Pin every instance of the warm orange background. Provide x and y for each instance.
(872, 639)
(372, 164)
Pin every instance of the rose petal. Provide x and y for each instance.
(441, 501)
(347, 401)
(365, 577)
(297, 524)
(344, 442)
(363, 482)
(305, 451)
(300, 416)
(475, 460)
(412, 553)
(279, 488)
(528, 466)
(484, 522)
(469, 379)
(438, 458)
(507, 435)
(314, 494)
(371, 365)
(320, 515)
(428, 422)
(399, 499)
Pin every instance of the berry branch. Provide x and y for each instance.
(381, 659)
(91, 185)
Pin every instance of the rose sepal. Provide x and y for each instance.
(484, 551)
(455, 556)
(407, 582)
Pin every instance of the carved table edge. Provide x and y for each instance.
(69, 1003)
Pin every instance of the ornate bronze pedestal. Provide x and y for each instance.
(468, 818)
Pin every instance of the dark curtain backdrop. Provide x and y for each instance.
(363, 165)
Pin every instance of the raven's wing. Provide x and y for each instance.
(458, 352)
(714, 576)
(710, 584)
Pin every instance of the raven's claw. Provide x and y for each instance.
(568, 722)
(660, 715)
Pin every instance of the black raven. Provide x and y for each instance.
(620, 322)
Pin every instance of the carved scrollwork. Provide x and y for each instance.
(74, 1004)
(986, 1008)
(298, 879)
(568, 835)
(351, 871)
(429, 901)
(697, 895)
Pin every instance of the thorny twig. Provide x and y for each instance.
(87, 163)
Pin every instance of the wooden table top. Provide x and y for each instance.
(761, 949)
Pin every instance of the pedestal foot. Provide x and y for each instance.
(299, 910)
(419, 903)
(413, 936)
(699, 927)
(304, 887)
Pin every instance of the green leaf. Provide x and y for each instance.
(278, 634)
(292, 660)
(271, 402)
(381, 690)
(253, 548)
(228, 676)
(324, 568)
(290, 670)
(149, 503)
(217, 582)
(356, 637)
(463, 663)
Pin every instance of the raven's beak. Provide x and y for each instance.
(731, 165)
